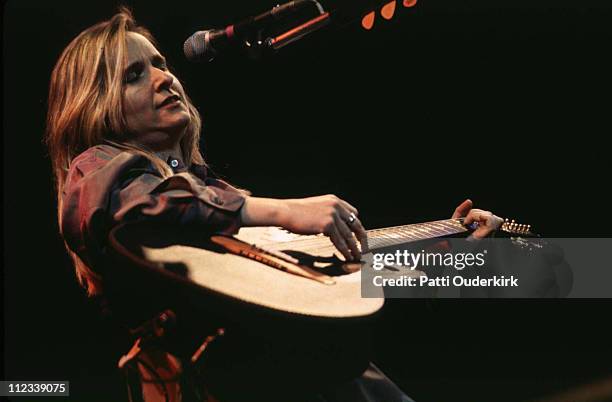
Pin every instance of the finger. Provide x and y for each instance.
(489, 224)
(496, 222)
(485, 217)
(340, 244)
(349, 207)
(490, 220)
(347, 234)
(462, 209)
(356, 226)
(361, 234)
(473, 216)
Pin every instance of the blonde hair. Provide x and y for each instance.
(85, 109)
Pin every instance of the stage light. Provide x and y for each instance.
(388, 10)
(367, 22)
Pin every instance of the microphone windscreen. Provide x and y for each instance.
(196, 46)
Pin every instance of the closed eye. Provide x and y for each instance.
(159, 62)
(134, 72)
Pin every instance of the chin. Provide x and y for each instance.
(180, 122)
(186, 117)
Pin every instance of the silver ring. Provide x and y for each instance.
(352, 218)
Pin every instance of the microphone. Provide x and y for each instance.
(204, 45)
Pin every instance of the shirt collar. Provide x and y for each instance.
(175, 163)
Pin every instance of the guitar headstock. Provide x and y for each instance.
(514, 228)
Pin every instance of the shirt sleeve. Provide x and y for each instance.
(181, 199)
(106, 188)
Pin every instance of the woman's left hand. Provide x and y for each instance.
(487, 222)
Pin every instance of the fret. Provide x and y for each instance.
(379, 238)
(437, 229)
(385, 237)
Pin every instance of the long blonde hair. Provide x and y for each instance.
(85, 109)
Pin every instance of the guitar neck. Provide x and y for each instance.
(275, 239)
(393, 236)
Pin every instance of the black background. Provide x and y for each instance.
(504, 102)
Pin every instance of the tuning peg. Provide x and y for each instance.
(504, 225)
(512, 226)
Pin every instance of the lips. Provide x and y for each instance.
(169, 101)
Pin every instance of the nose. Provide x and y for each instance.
(162, 79)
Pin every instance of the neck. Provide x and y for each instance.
(174, 152)
(385, 237)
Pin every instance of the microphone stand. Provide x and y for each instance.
(257, 46)
(298, 32)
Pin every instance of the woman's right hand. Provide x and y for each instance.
(325, 214)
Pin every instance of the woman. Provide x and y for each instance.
(123, 137)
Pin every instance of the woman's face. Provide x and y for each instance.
(153, 99)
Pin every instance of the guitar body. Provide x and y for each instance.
(257, 284)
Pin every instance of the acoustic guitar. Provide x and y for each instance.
(271, 269)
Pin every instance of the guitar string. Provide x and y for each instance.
(404, 230)
(388, 236)
(381, 237)
(394, 240)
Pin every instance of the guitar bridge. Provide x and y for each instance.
(278, 260)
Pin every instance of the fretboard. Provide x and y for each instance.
(275, 239)
(393, 236)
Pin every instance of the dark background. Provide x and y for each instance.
(505, 102)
